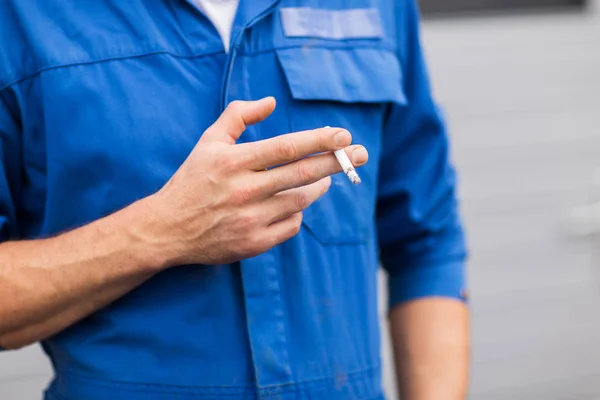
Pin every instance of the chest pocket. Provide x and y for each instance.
(349, 88)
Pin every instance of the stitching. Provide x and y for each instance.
(106, 382)
(203, 391)
(317, 384)
(227, 391)
(145, 53)
(329, 46)
(309, 382)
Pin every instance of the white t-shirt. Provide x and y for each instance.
(221, 13)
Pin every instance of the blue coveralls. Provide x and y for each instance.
(100, 103)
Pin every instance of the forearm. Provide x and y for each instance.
(431, 347)
(47, 285)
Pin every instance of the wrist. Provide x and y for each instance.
(155, 244)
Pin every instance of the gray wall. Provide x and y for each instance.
(522, 100)
(444, 7)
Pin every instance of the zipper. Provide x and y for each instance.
(233, 51)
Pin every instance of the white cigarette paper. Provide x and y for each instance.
(347, 166)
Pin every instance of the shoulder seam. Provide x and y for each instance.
(18, 80)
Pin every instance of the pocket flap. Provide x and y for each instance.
(355, 75)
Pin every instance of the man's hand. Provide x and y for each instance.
(229, 202)
(225, 203)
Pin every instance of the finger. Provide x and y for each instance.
(292, 146)
(236, 117)
(306, 171)
(292, 201)
(283, 230)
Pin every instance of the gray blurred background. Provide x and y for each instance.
(520, 89)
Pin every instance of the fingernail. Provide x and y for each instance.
(359, 156)
(342, 139)
(325, 184)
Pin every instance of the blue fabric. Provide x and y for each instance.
(100, 102)
(331, 24)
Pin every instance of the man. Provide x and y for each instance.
(165, 237)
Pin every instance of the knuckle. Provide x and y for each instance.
(248, 219)
(287, 150)
(323, 142)
(228, 164)
(245, 155)
(293, 226)
(308, 172)
(243, 195)
(251, 157)
(235, 107)
(302, 200)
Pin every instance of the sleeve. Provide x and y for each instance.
(421, 240)
(10, 169)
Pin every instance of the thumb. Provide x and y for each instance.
(236, 117)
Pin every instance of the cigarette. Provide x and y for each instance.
(347, 166)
